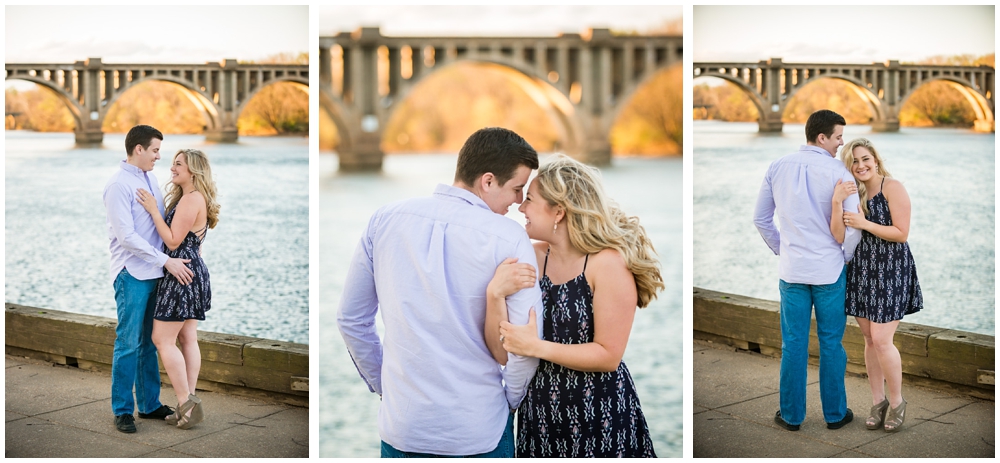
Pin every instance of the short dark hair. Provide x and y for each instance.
(822, 122)
(496, 150)
(141, 135)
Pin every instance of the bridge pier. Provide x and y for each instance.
(885, 126)
(365, 154)
(226, 135)
(985, 126)
(771, 125)
(89, 138)
(596, 154)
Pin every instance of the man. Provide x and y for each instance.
(812, 266)
(426, 263)
(136, 265)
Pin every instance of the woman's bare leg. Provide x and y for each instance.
(165, 339)
(192, 353)
(876, 380)
(888, 359)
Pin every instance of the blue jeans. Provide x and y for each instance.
(505, 449)
(134, 362)
(797, 301)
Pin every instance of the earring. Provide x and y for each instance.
(554, 227)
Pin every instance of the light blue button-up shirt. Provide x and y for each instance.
(425, 264)
(800, 187)
(135, 244)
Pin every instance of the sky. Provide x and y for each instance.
(153, 34)
(493, 20)
(841, 34)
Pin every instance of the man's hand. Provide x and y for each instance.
(180, 271)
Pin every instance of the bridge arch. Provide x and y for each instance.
(559, 110)
(985, 117)
(300, 83)
(332, 107)
(878, 111)
(882, 85)
(755, 98)
(92, 86)
(71, 104)
(594, 69)
(208, 109)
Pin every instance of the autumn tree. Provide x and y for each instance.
(277, 109)
(652, 120)
(725, 102)
(36, 109)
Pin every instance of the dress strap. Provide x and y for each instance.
(201, 234)
(585, 258)
(546, 264)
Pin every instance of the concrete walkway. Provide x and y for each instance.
(60, 411)
(736, 395)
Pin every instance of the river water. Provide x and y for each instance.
(56, 239)
(949, 175)
(648, 188)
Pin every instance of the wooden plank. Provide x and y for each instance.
(737, 330)
(278, 355)
(223, 348)
(300, 383)
(964, 347)
(256, 378)
(60, 346)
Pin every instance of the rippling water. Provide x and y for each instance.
(648, 188)
(57, 256)
(949, 175)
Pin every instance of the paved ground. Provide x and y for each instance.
(736, 395)
(59, 411)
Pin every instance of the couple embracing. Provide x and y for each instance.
(842, 249)
(156, 308)
(469, 315)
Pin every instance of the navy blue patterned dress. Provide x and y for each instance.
(882, 281)
(570, 413)
(176, 302)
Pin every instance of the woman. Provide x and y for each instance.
(191, 211)
(882, 283)
(597, 266)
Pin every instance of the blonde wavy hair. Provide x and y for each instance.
(201, 176)
(595, 223)
(847, 155)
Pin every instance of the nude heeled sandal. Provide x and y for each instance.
(894, 418)
(877, 416)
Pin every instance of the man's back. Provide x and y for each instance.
(426, 263)
(800, 186)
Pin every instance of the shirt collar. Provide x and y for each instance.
(816, 149)
(462, 194)
(134, 170)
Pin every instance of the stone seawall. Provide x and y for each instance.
(933, 356)
(234, 364)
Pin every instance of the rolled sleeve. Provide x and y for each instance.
(118, 203)
(356, 316)
(852, 236)
(763, 216)
(520, 370)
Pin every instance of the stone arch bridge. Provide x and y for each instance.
(885, 87)
(581, 81)
(219, 90)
